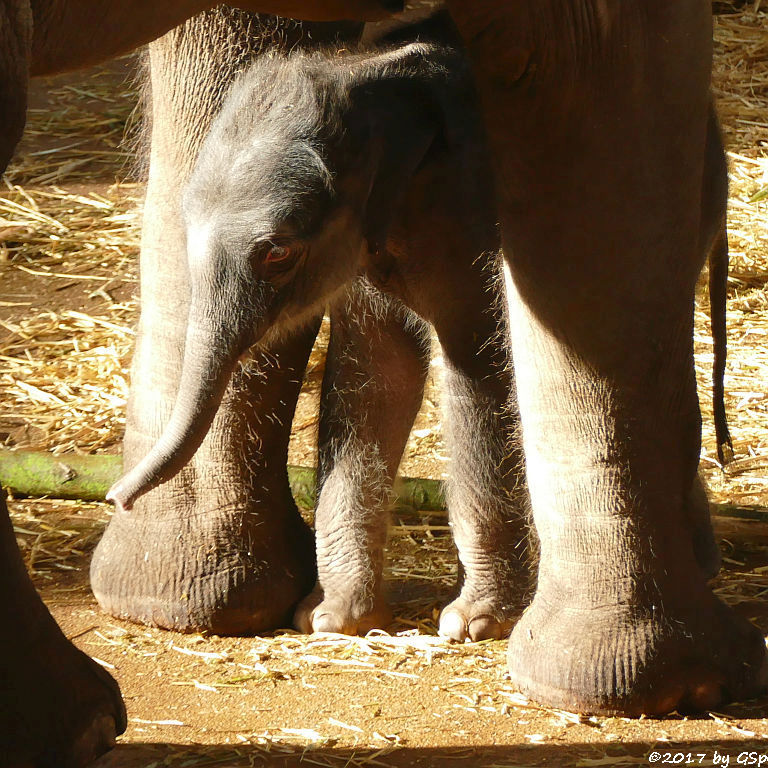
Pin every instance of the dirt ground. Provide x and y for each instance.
(69, 230)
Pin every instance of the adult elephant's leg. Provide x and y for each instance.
(57, 706)
(222, 546)
(597, 115)
(377, 363)
(15, 43)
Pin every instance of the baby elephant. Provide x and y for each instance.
(360, 180)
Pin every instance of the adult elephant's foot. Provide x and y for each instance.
(621, 660)
(348, 613)
(601, 328)
(58, 708)
(198, 569)
(221, 547)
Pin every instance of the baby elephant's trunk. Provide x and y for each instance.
(210, 355)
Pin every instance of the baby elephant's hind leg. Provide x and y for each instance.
(377, 363)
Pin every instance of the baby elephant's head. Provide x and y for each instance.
(271, 234)
(293, 190)
(296, 182)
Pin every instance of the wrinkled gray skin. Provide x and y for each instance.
(599, 121)
(46, 36)
(600, 126)
(320, 169)
(221, 546)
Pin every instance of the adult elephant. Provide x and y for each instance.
(597, 114)
(58, 707)
(47, 36)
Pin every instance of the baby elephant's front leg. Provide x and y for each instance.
(376, 367)
(486, 491)
(488, 503)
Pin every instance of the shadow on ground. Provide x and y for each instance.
(753, 752)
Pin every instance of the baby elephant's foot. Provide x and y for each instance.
(475, 620)
(344, 614)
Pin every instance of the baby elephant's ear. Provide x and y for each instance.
(403, 117)
(399, 147)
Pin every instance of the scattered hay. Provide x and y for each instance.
(63, 371)
(63, 376)
(78, 134)
(63, 382)
(58, 234)
(57, 535)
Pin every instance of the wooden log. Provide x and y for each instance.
(68, 476)
(88, 478)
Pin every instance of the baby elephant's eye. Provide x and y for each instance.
(279, 254)
(276, 260)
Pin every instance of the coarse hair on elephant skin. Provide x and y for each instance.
(301, 186)
(69, 34)
(222, 547)
(321, 168)
(43, 37)
(596, 115)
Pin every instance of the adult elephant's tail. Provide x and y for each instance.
(718, 287)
